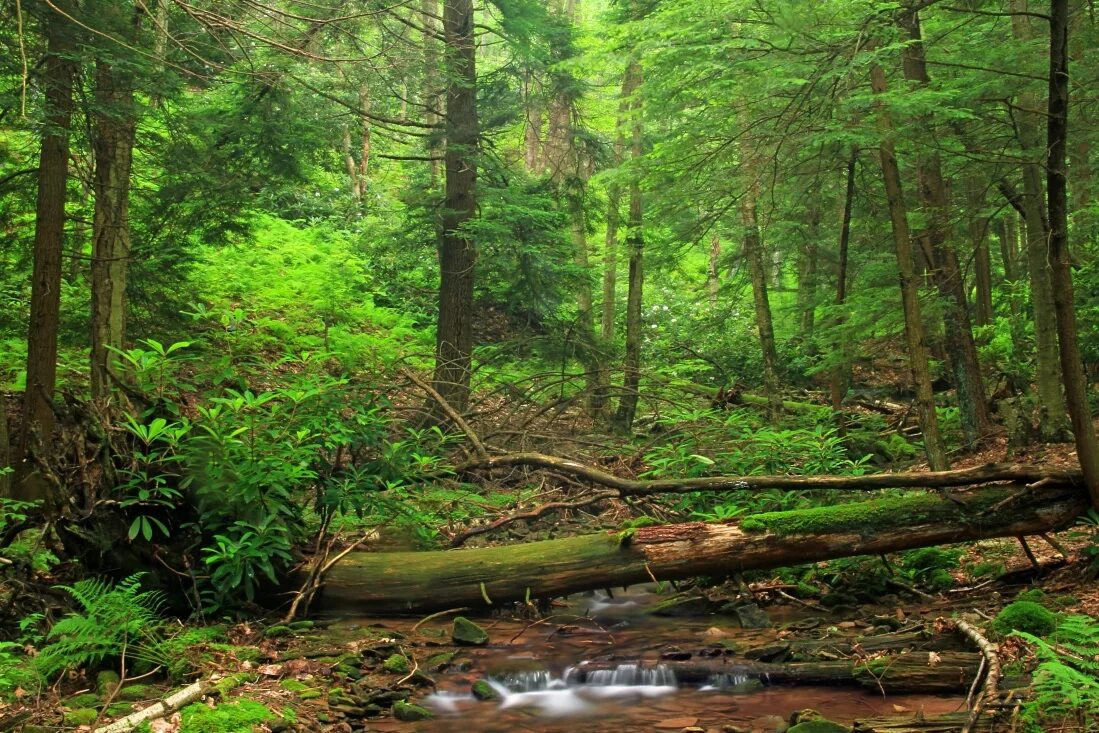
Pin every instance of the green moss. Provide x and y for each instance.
(482, 690)
(1028, 616)
(275, 632)
(408, 712)
(304, 625)
(294, 686)
(1037, 595)
(468, 633)
(819, 726)
(80, 716)
(396, 664)
(137, 693)
(106, 682)
(86, 700)
(235, 717)
(309, 695)
(874, 515)
(119, 709)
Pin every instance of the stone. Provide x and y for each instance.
(771, 723)
(819, 726)
(684, 605)
(778, 652)
(396, 664)
(467, 633)
(751, 616)
(482, 690)
(674, 653)
(408, 712)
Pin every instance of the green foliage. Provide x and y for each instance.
(228, 717)
(931, 566)
(1066, 688)
(115, 621)
(1025, 616)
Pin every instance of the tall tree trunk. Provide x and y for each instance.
(807, 278)
(910, 294)
(982, 257)
(457, 251)
(429, 11)
(753, 254)
(838, 379)
(610, 261)
(6, 467)
(1009, 253)
(113, 144)
(635, 243)
(532, 133)
(949, 280)
(1052, 425)
(713, 279)
(49, 233)
(1087, 449)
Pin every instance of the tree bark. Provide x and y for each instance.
(807, 278)
(417, 582)
(946, 270)
(989, 473)
(1052, 425)
(837, 382)
(635, 243)
(982, 256)
(113, 145)
(429, 11)
(457, 251)
(713, 278)
(5, 451)
(49, 233)
(753, 254)
(913, 320)
(1072, 368)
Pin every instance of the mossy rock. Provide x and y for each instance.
(467, 633)
(439, 662)
(85, 700)
(309, 695)
(408, 712)
(820, 725)
(80, 716)
(138, 693)
(278, 631)
(396, 664)
(106, 682)
(234, 717)
(294, 685)
(1028, 616)
(482, 690)
(304, 625)
(119, 709)
(1032, 594)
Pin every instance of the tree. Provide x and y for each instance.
(49, 235)
(457, 251)
(115, 125)
(1087, 449)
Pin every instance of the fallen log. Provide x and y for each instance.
(414, 582)
(949, 723)
(916, 672)
(989, 473)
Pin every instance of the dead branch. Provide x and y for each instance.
(445, 406)
(992, 680)
(535, 513)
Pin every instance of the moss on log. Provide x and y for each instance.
(416, 582)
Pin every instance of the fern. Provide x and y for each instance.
(1066, 683)
(115, 620)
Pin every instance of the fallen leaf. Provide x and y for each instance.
(933, 659)
(271, 670)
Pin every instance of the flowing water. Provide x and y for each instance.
(538, 671)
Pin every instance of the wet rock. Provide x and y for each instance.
(751, 616)
(805, 624)
(467, 633)
(482, 690)
(729, 728)
(778, 652)
(892, 622)
(675, 653)
(386, 698)
(440, 662)
(743, 688)
(771, 724)
(408, 712)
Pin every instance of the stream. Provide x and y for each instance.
(538, 670)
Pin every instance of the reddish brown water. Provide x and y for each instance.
(593, 628)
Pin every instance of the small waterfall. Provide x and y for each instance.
(524, 681)
(725, 680)
(627, 675)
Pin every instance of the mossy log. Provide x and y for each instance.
(916, 672)
(418, 582)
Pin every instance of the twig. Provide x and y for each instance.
(436, 615)
(910, 589)
(460, 539)
(1027, 551)
(157, 710)
(1055, 545)
(992, 680)
(478, 446)
(316, 575)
